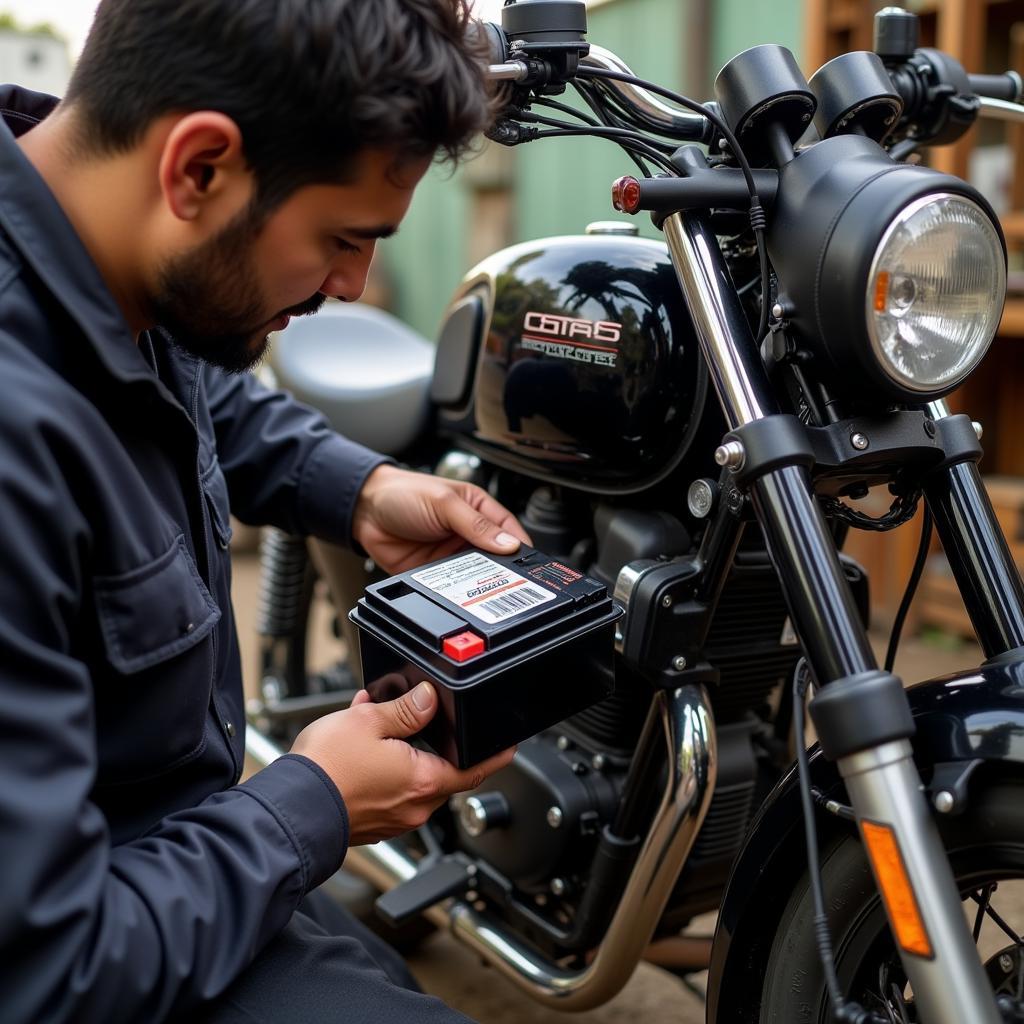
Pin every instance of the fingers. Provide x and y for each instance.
(445, 779)
(476, 517)
(407, 715)
(361, 697)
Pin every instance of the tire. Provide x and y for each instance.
(985, 846)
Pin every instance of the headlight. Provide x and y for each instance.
(892, 277)
(935, 292)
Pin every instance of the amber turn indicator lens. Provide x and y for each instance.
(900, 901)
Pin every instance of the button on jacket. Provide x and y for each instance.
(137, 876)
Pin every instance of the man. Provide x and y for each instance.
(216, 167)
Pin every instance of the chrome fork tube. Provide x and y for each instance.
(951, 988)
(883, 784)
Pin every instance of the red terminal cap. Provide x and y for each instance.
(626, 194)
(464, 646)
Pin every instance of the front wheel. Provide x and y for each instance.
(986, 851)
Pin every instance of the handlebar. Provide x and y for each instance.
(1008, 86)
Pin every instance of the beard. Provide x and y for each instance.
(208, 301)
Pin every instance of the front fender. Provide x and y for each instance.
(969, 716)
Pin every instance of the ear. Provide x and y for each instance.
(201, 163)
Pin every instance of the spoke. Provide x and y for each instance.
(979, 918)
(999, 921)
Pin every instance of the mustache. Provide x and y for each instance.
(312, 305)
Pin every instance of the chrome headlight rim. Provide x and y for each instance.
(881, 359)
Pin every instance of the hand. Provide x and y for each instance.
(406, 519)
(388, 786)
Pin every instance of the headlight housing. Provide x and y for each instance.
(935, 292)
(892, 277)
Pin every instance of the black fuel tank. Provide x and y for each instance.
(573, 359)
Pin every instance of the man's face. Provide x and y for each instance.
(221, 299)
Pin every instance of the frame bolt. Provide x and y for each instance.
(597, 762)
(700, 498)
(558, 886)
(944, 801)
(563, 743)
(730, 455)
(777, 311)
(979, 430)
(859, 441)
(666, 601)
(679, 663)
(554, 817)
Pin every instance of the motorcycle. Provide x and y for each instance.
(686, 422)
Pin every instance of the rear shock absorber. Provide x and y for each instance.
(286, 585)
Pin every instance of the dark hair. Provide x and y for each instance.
(310, 83)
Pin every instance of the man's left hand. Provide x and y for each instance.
(405, 519)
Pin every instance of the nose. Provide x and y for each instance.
(347, 277)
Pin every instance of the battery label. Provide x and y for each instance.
(483, 588)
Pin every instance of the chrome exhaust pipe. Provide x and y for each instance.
(688, 728)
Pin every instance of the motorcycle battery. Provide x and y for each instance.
(512, 644)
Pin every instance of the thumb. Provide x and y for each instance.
(410, 712)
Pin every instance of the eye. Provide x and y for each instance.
(344, 246)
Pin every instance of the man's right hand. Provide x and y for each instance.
(388, 786)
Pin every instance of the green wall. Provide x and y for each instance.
(563, 184)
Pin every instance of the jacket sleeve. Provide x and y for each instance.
(283, 463)
(91, 932)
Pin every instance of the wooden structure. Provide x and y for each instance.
(985, 36)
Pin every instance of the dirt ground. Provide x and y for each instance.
(450, 970)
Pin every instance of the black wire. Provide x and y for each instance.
(841, 1009)
(757, 217)
(908, 594)
(593, 100)
(565, 109)
(835, 995)
(626, 143)
(530, 118)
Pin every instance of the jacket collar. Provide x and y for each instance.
(38, 228)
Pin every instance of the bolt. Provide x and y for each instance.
(730, 455)
(979, 430)
(859, 441)
(777, 311)
(597, 762)
(805, 118)
(563, 743)
(558, 886)
(473, 816)
(541, 899)
(679, 663)
(1006, 963)
(666, 601)
(944, 801)
(472, 896)
(701, 498)
(555, 817)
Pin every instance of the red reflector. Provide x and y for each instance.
(464, 646)
(626, 194)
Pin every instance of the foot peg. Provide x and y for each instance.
(450, 876)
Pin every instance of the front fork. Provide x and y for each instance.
(862, 714)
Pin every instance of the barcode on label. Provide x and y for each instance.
(513, 603)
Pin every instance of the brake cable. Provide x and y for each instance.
(843, 1011)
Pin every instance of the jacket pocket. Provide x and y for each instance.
(154, 612)
(215, 490)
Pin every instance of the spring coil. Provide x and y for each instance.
(283, 564)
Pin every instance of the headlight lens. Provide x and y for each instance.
(935, 292)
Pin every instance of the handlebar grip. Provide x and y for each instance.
(998, 87)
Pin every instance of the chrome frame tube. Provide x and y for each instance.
(688, 728)
(884, 787)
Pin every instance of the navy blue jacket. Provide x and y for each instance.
(137, 876)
